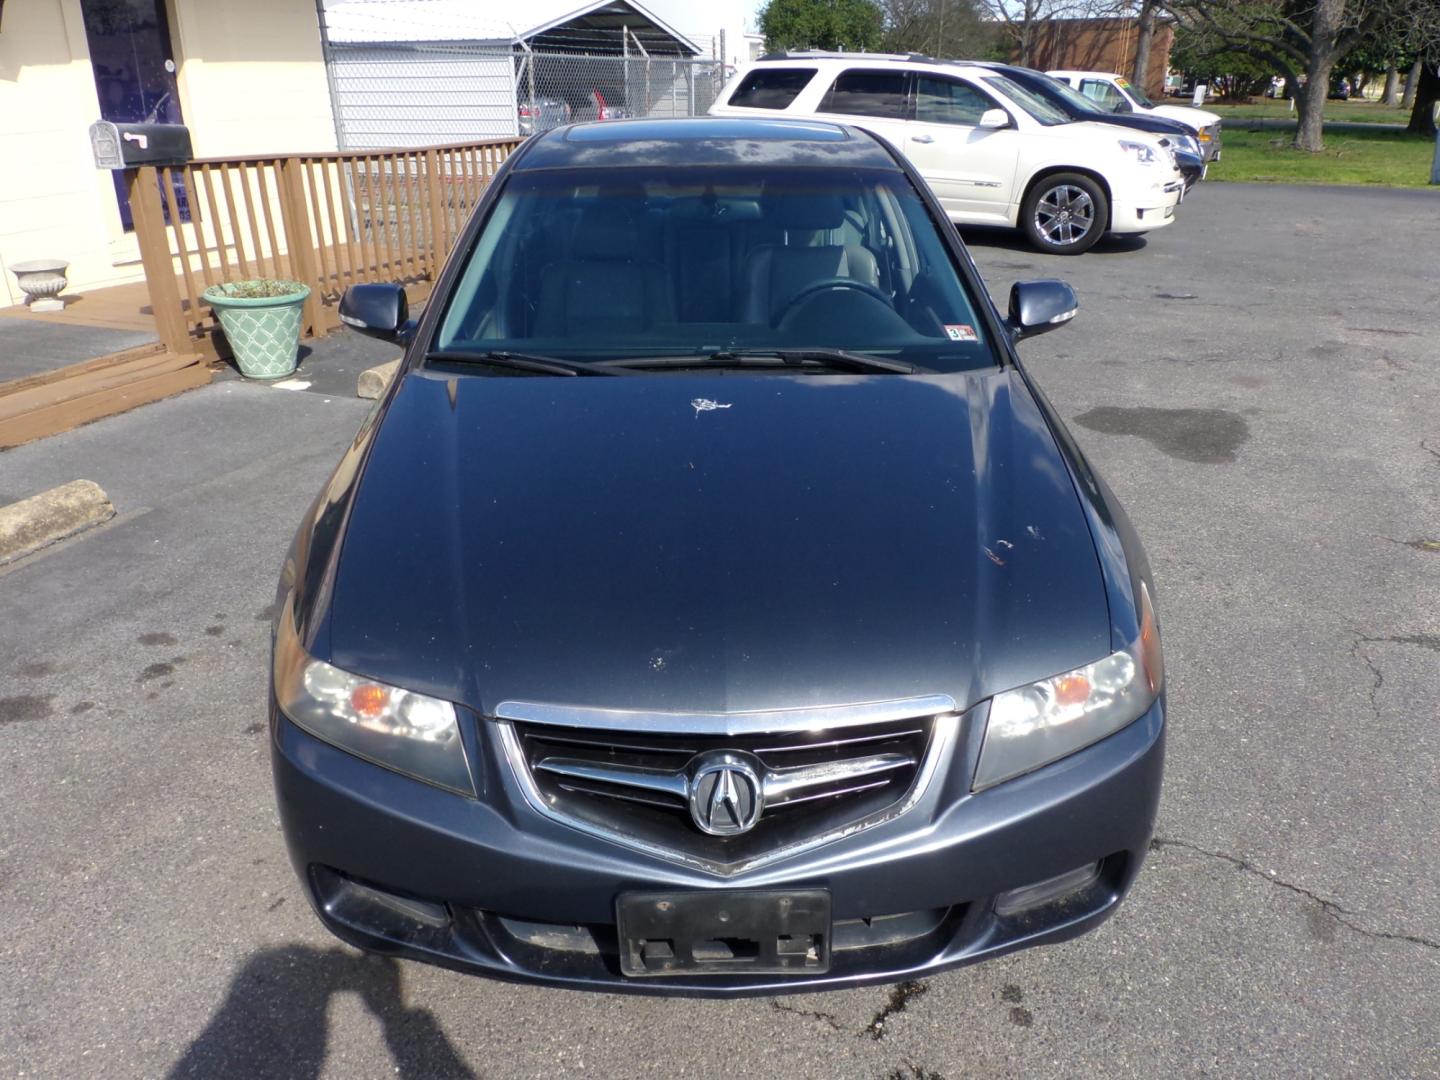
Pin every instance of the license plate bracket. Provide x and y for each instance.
(728, 931)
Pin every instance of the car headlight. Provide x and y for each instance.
(395, 728)
(1187, 143)
(1206, 135)
(1045, 721)
(1144, 153)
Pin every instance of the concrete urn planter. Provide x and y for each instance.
(42, 280)
(261, 321)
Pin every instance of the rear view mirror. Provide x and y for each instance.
(1038, 306)
(378, 311)
(994, 118)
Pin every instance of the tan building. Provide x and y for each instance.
(246, 77)
(1102, 45)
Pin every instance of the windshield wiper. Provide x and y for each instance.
(834, 359)
(540, 365)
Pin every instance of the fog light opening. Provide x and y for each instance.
(350, 898)
(1040, 893)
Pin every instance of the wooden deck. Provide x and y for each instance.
(115, 307)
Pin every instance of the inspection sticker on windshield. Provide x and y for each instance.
(962, 332)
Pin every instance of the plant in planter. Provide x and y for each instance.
(261, 320)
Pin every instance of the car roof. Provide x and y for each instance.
(705, 140)
(817, 58)
(1085, 74)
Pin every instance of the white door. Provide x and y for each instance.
(970, 168)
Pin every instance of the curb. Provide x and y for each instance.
(41, 520)
(373, 381)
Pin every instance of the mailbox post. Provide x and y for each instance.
(137, 150)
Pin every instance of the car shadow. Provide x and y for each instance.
(983, 236)
(273, 1019)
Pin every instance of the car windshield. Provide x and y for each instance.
(1067, 93)
(1028, 100)
(646, 261)
(1136, 93)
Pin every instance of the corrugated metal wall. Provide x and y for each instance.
(399, 95)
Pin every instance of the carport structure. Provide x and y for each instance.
(413, 72)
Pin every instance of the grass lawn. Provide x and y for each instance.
(1351, 112)
(1380, 157)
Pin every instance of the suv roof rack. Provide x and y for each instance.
(824, 54)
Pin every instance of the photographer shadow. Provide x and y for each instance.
(273, 1019)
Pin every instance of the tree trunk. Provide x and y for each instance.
(1324, 30)
(1310, 131)
(1392, 87)
(1422, 115)
(1411, 83)
(1146, 34)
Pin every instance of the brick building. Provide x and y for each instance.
(1102, 45)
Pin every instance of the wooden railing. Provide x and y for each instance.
(330, 220)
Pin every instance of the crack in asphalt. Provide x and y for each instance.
(1342, 915)
(1357, 650)
(912, 1070)
(1420, 641)
(901, 995)
(1430, 450)
(1377, 676)
(829, 1018)
(898, 1000)
(1423, 543)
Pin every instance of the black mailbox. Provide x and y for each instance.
(123, 146)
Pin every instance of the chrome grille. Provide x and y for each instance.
(816, 782)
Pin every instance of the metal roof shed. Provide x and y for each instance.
(416, 72)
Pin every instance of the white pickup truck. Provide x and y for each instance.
(1117, 94)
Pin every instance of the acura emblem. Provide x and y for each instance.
(726, 794)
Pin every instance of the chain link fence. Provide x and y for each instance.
(397, 94)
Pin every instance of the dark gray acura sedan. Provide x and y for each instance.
(713, 605)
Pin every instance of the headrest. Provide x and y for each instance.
(810, 212)
(605, 231)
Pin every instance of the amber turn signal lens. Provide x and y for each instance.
(367, 699)
(1072, 690)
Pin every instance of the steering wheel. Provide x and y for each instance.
(832, 284)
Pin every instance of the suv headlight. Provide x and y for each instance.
(397, 729)
(1045, 721)
(1188, 143)
(1144, 153)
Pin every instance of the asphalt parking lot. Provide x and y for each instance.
(1259, 384)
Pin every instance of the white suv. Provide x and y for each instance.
(993, 152)
(1116, 94)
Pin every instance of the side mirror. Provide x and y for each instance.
(378, 311)
(1038, 306)
(994, 118)
(1123, 106)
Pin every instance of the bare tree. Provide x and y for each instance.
(1021, 20)
(947, 28)
(1304, 39)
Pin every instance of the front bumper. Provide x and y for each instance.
(1142, 209)
(491, 886)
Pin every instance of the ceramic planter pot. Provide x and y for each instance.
(41, 280)
(263, 331)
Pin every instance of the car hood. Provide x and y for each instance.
(714, 543)
(1095, 132)
(1161, 126)
(1196, 118)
